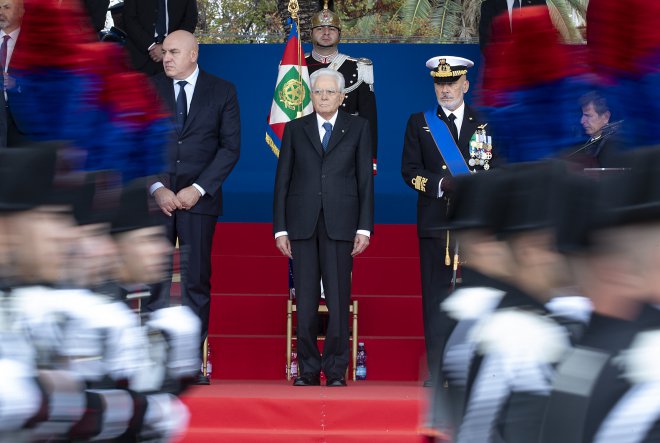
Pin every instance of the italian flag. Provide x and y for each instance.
(292, 96)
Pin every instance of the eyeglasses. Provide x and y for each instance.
(329, 92)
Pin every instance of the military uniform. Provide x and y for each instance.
(422, 168)
(358, 75)
(360, 98)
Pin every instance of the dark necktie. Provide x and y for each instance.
(326, 137)
(3, 52)
(161, 25)
(181, 105)
(452, 127)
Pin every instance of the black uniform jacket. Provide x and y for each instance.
(422, 167)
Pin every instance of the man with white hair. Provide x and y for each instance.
(443, 142)
(323, 217)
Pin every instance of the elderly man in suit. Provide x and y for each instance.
(437, 147)
(323, 217)
(202, 152)
(148, 22)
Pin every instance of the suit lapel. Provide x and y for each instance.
(312, 130)
(199, 94)
(341, 125)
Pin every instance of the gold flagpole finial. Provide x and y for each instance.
(325, 4)
(293, 9)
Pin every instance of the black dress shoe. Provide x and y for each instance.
(307, 380)
(202, 379)
(335, 382)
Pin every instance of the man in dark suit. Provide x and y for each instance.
(427, 171)
(202, 152)
(323, 217)
(492, 8)
(148, 22)
(603, 149)
(11, 16)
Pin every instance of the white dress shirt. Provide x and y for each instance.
(190, 89)
(320, 121)
(11, 44)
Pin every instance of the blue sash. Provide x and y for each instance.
(446, 144)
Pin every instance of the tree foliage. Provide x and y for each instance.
(441, 21)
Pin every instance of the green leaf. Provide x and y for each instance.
(447, 18)
(414, 11)
(560, 13)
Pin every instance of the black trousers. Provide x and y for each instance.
(14, 136)
(313, 258)
(195, 234)
(436, 279)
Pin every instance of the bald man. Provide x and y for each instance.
(203, 149)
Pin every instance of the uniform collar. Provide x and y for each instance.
(325, 59)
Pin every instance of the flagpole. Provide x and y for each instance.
(293, 9)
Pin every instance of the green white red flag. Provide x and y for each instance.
(292, 97)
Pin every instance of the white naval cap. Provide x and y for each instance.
(447, 68)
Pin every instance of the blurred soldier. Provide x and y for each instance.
(437, 146)
(358, 73)
(21, 397)
(616, 260)
(513, 373)
(485, 263)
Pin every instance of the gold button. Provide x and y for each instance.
(444, 166)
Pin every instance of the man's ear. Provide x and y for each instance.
(466, 86)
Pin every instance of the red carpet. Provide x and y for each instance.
(250, 290)
(261, 411)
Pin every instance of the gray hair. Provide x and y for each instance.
(327, 72)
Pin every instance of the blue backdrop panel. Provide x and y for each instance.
(403, 86)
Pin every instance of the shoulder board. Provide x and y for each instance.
(366, 71)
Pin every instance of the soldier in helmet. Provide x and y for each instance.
(358, 72)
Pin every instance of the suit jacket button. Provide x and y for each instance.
(320, 193)
(180, 142)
